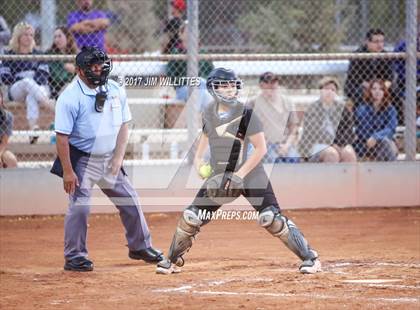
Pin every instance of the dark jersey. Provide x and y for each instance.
(15, 70)
(229, 136)
(6, 123)
(172, 28)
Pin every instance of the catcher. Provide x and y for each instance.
(228, 128)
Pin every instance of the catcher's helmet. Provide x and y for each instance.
(89, 56)
(222, 77)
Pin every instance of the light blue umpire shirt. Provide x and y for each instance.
(90, 131)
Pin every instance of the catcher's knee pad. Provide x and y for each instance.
(187, 228)
(283, 228)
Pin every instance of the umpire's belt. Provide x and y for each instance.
(75, 155)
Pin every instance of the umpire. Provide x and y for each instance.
(91, 123)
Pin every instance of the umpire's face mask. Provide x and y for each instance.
(97, 73)
(95, 64)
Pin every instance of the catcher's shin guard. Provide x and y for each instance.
(283, 228)
(186, 230)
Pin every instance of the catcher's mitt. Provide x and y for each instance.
(224, 187)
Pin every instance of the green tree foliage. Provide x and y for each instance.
(138, 26)
(296, 26)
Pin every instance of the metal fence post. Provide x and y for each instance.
(410, 81)
(192, 70)
(48, 17)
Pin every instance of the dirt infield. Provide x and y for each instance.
(371, 260)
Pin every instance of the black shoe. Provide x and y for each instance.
(149, 255)
(78, 264)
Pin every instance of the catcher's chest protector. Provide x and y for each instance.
(226, 139)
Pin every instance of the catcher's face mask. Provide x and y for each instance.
(226, 91)
(224, 86)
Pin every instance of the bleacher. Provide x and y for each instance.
(148, 115)
(252, 68)
(149, 112)
(162, 144)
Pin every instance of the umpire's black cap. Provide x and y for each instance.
(90, 55)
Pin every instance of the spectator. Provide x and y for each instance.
(4, 34)
(177, 69)
(399, 87)
(328, 127)
(376, 122)
(279, 120)
(61, 73)
(7, 158)
(28, 79)
(172, 28)
(361, 71)
(87, 25)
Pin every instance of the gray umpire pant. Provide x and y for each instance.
(91, 171)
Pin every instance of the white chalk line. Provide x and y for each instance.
(59, 302)
(188, 289)
(253, 280)
(408, 287)
(311, 296)
(213, 283)
(184, 288)
(347, 264)
(337, 268)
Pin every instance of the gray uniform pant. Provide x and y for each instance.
(91, 171)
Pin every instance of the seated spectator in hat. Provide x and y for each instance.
(7, 158)
(28, 79)
(376, 122)
(328, 127)
(61, 72)
(361, 71)
(279, 119)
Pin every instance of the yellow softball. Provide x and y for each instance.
(205, 171)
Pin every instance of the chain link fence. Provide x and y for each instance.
(319, 101)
